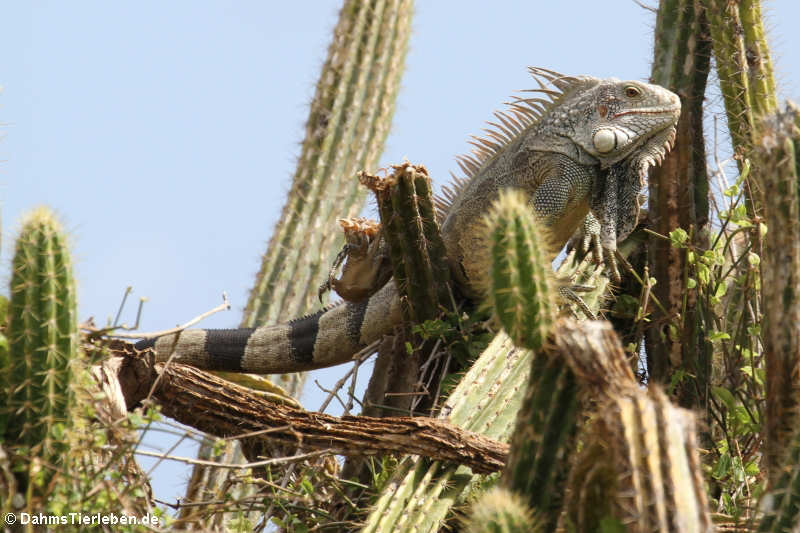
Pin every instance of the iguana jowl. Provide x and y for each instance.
(581, 145)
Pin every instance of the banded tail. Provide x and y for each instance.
(326, 338)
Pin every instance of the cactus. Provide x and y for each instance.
(781, 505)
(347, 126)
(501, 511)
(419, 268)
(743, 65)
(487, 398)
(681, 63)
(544, 438)
(416, 248)
(638, 466)
(42, 335)
(639, 463)
(486, 401)
(518, 284)
(519, 289)
(775, 183)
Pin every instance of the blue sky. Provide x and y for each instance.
(165, 133)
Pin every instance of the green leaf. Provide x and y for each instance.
(722, 289)
(678, 237)
(718, 336)
(732, 191)
(725, 396)
(722, 467)
(703, 273)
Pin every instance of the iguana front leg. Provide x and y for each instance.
(561, 195)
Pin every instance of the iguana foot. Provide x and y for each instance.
(588, 241)
(366, 261)
(576, 277)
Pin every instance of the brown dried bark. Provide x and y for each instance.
(208, 403)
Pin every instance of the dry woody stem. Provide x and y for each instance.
(208, 403)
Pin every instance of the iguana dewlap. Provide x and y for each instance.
(582, 145)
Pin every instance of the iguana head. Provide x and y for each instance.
(610, 120)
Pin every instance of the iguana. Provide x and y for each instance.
(579, 146)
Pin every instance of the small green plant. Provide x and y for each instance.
(722, 279)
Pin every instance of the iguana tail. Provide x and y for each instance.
(325, 338)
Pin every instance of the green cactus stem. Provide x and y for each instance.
(681, 63)
(501, 511)
(647, 473)
(775, 186)
(42, 335)
(519, 285)
(544, 438)
(486, 401)
(417, 252)
(348, 122)
(743, 65)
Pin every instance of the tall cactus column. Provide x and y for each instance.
(776, 193)
(348, 123)
(347, 126)
(42, 334)
(681, 63)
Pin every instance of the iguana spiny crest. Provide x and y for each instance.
(579, 145)
(583, 146)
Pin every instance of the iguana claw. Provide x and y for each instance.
(588, 240)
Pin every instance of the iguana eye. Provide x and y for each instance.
(632, 92)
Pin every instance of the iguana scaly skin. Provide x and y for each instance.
(580, 147)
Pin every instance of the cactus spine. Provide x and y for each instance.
(42, 334)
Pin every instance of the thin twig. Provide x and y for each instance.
(128, 290)
(224, 306)
(361, 356)
(266, 462)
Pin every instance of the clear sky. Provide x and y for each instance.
(165, 133)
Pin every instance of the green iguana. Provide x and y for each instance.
(580, 147)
